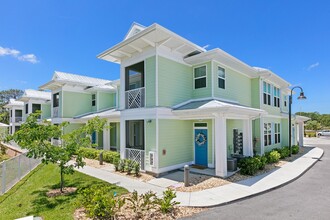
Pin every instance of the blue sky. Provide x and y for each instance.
(291, 38)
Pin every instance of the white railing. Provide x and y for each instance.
(135, 98)
(18, 119)
(55, 112)
(136, 155)
(56, 142)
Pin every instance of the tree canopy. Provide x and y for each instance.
(5, 95)
(317, 122)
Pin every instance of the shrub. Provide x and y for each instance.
(284, 152)
(136, 168)
(91, 153)
(129, 166)
(121, 166)
(110, 156)
(141, 204)
(273, 156)
(295, 149)
(116, 163)
(249, 165)
(100, 202)
(166, 204)
(262, 161)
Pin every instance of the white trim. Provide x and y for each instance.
(262, 141)
(221, 77)
(204, 99)
(156, 79)
(201, 77)
(157, 142)
(173, 167)
(212, 78)
(213, 145)
(233, 69)
(165, 52)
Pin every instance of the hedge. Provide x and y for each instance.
(91, 153)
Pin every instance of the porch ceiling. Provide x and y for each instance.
(152, 36)
(109, 114)
(210, 108)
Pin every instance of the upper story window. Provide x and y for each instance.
(134, 76)
(276, 97)
(36, 107)
(221, 77)
(93, 99)
(26, 108)
(267, 94)
(267, 134)
(200, 77)
(285, 100)
(56, 100)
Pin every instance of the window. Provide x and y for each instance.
(93, 99)
(26, 108)
(276, 97)
(277, 133)
(135, 134)
(267, 94)
(267, 134)
(221, 77)
(285, 100)
(134, 76)
(200, 77)
(56, 100)
(36, 107)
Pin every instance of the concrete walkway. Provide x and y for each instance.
(222, 194)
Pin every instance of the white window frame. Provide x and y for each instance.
(194, 78)
(219, 77)
(94, 100)
(276, 95)
(277, 133)
(267, 92)
(267, 134)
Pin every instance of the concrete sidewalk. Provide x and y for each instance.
(222, 194)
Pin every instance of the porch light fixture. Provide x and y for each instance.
(301, 97)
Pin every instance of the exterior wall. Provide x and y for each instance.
(175, 82)
(105, 100)
(255, 93)
(237, 86)
(231, 124)
(285, 131)
(76, 104)
(150, 81)
(256, 136)
(71, 127)
(272, 146)
(150, 141)
(45, 108)
(176, 138)
(207, 91)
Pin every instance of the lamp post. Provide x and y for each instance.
(301, 96)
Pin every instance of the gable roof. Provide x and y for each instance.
(13, 102)
(60, 78)
(35, 94)
(134, 29)
(152, 36)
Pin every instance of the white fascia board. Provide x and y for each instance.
(271, 77)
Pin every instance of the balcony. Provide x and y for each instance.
(55, 112)
(18, 119)
(135, 98)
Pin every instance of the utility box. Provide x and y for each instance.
(231, 164)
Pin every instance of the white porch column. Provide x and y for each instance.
(262, 147)
(247, 138)
(106, 137)
(220, 131)
(301, 131)
(122, 138)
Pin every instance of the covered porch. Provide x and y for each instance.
(231, 133)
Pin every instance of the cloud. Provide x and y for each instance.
(314, 65)
(21, 81)
(28, 58)
(31, 58)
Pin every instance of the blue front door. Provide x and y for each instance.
(201, 147)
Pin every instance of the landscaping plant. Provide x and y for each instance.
(262, 161)
(166, 204)
(295, 149)
(273, 156)
(142, 203)
(249, 165)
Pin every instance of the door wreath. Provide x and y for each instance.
(200, 139)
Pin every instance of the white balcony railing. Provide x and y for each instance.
(136, 155)
(18, 119)
(135, 98)
(55, 112)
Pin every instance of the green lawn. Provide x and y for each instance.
(28, 197)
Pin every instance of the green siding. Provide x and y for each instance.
(45, 108)
(106, 100)
(60, 107)
(237, 86)
(176, 137)
(75, 103)
(71, 127)
(285, 132)
(207, 91)
(256, 135)
(271, 109)
(231, 124)
(255, 92)
(150, 75)
(150, 141)
(175, 82)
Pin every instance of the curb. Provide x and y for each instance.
(265, 191)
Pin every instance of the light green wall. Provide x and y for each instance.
(71, 127)
(285, 108)
(75, 104)
(60, 107)
(176, 137)
(255, 93)
(256, 135)
(271, 109)
(237, 86)
(106, 100)
(45, 108)
(285, 131)
(115, 135)
(207, 91)
(175, 82)
(231, 124)
(150, 79)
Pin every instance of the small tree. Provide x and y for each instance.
(36, 138)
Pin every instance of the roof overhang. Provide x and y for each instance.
(225, 59)
(113, 114)
(269, 75)
(152, 36)
(300, 118)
